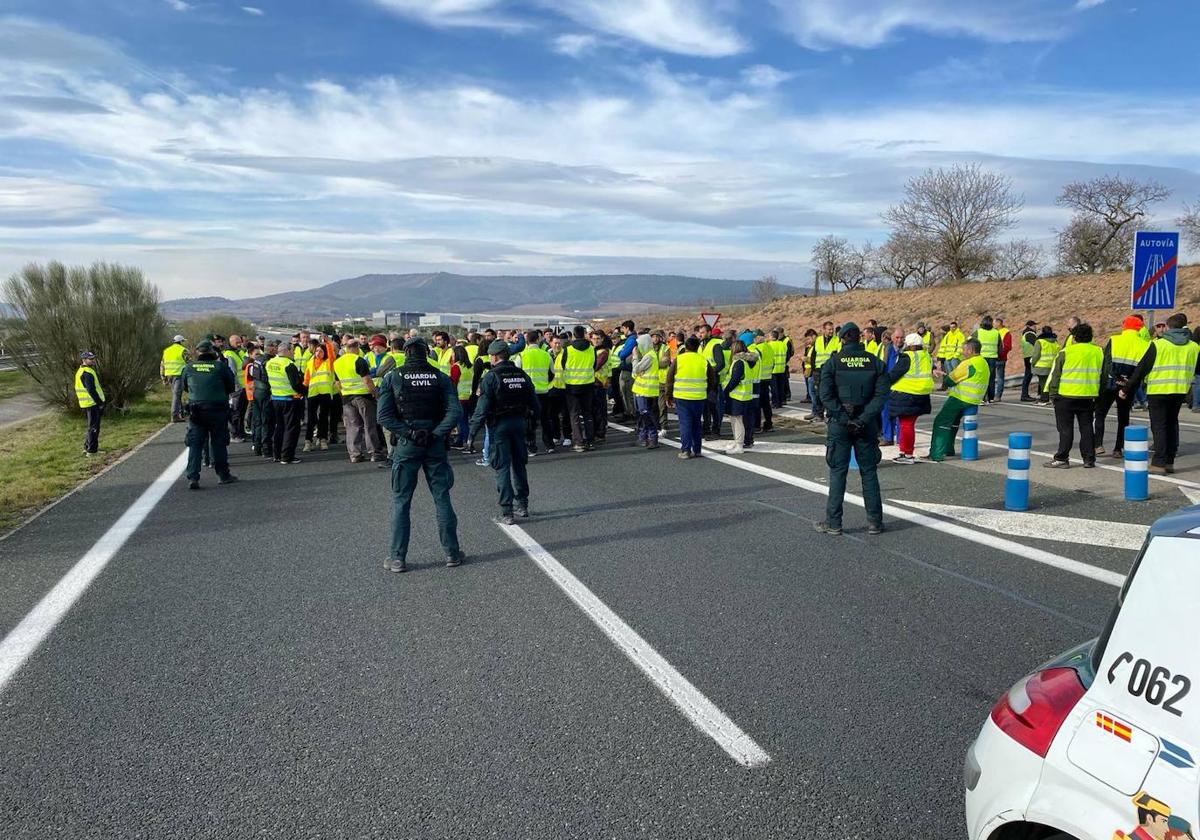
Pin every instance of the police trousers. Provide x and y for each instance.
(838, 444)
(508, 457)
(408, 462)
(208, 427)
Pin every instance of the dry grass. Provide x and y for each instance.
(41, 459)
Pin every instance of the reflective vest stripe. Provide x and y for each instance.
(578, 366)
(1174, 367)
(744, 390)
(645, 384)
(1080, 375)
(972, 389)
(1049, 353)
(320, 378)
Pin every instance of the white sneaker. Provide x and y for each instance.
(566, 442)
(907, 460)
(308, 446)
(735, 450)
(324, 445)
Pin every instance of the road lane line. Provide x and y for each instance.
(1017, 549)
(1042, 526)
(697, 708)
(26, 637)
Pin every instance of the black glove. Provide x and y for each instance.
(419, 437)
(856, 428)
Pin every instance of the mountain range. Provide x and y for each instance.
(442, 292)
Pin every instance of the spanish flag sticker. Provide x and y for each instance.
(1108, 724)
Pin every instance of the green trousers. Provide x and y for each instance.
(945, 428)
(408, 460)
(837, 455)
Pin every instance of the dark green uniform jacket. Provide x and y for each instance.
(208, 380)
(500, 395)
(854, 385)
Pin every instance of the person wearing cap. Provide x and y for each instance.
(174, 357)
(90, 395)
(1122, 353)
(359, 394)
(506, 397)
(379, 361)
(911, 381)
(419, 405)
(208, 382)
(854, 387)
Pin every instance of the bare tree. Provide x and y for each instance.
(1189, 222)
(904, 259)
(831, 261)
(1082, 249)
(960, 211)
(765, 289)
(860, 267)
(1018, 259)
(1112, 207)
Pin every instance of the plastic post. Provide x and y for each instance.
(1137, 464)
(1016, 486)
(970, 440)
(853, 458)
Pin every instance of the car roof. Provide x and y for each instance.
(1181, 523)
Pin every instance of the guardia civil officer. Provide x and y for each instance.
(419, 404)
(506, 397)
(208, 382)
(854, 386)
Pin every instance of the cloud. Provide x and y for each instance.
(765, 76)
(454, 13)
(826, 24)
(38, 202)
(253, 10)
(179, 5)
(574, 44)
(1088, 4)
(29, 43)
(678, 26)
(52, 105)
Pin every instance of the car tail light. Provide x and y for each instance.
(1033, 709)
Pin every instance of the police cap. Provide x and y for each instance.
(205, 347)
(417, 341)
(497, 347)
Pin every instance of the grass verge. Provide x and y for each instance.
(14, 382)
(41, 459)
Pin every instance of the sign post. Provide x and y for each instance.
(711, 318)
(1155, 270)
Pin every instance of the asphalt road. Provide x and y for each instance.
(243, 666)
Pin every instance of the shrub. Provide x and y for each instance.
(109, 309)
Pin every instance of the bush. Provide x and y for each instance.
(109, 309)
(226, 325)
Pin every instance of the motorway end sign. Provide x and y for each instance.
(711, 318)
(1155, 268)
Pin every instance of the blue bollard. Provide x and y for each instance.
(970, 441)
(853, 458)
(1016, 486)
(1137, 464)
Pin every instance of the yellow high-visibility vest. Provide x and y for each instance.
(744, 390)
(691, 377)
(536, 363)
(973, 388)
(173, 359)
(348, 378)
(1127, 348)
(989, 340)
(645, 384)
(919, 378)
(277, 375)
(1080, 374)
(81, 393)
(320, 377)
(826, 347)
(578, 367)
(1174, 367)
(1049, 353)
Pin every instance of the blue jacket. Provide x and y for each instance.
(625, 354)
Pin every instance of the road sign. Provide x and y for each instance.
(1155, 261)
(711, 318)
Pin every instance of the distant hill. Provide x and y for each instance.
(442, 292)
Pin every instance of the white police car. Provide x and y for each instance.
(1102, 743)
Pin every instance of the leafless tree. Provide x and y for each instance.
(960, 211)
(1112, 206)
(1189, 222)
(860, 267)
(765, 289)
(1084, 247)
(906, 259)
(831, 261)
(1018, 259)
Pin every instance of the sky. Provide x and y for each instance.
(239, 150)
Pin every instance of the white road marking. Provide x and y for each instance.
(1017, 549)
(26, 637)
(764, 447)
(1042, 526)
(1193, 496)
(697, 708)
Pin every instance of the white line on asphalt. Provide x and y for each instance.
(1192, 495)
(697, 708)
(26, 637)
(768, 448)
(1040, 526)
(1017, 549)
